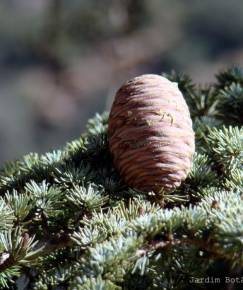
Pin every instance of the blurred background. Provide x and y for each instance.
(61, 61)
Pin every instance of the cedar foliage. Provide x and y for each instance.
(69, 222)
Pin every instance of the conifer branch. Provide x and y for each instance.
(68, 219)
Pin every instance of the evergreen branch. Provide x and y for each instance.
(43, 167)
(229, 76)
(90, 198)
(18, 248)
(230, 104)
(226, 148)
(6, 214)
(87, 221)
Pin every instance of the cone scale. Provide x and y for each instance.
(150, 134)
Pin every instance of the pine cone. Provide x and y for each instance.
(150, 134)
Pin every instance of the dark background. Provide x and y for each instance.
(62, 60)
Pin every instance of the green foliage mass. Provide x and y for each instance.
(68, 221)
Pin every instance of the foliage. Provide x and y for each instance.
(69, 222)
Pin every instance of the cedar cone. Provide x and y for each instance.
(150, 134)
